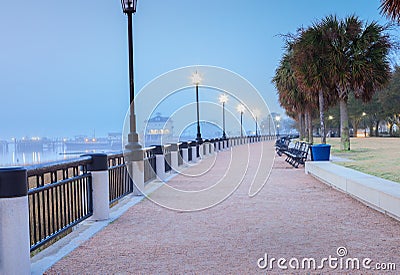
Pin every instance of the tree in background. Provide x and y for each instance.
(389, 100)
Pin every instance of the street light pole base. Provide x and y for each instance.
(133, 150)
(199, 140)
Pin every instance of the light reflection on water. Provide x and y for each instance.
(16, 158)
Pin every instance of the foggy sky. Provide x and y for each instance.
(63, 64)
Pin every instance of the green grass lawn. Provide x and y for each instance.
(375, 156)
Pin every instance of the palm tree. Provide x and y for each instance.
(311, 71)
(291, 97)
(357, 61)
(288, 96)
(391, 8)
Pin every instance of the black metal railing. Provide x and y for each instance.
(190, 153)
(180, 156)
(59, 197)
(167, 157)
(120, 183)
(150, 171)
(60, 193)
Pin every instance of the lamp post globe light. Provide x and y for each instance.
(196, 80)
(365, 125)
(133, 147)
(240, 108)
(256, 113)
(223, 98)
(330, 118)
(277, 118)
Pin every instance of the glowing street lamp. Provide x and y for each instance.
(256, 113)
(330, 118)
(365, 125)
(196, 80)
(223, 98)
(133, 147)
(240, 108)
(277, 118)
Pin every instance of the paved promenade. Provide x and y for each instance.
(294, 215)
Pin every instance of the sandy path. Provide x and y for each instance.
(294, 215)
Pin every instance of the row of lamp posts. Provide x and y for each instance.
(223, 99)
(133, 148)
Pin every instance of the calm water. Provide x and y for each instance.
(16, 158)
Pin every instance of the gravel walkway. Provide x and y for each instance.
(294, 215)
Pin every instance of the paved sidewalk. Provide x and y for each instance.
(294, 215)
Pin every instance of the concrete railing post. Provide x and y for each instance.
(194, 151)
(201, 150)
(174, 156)
(137, 168)
(185, 152)
(100, 186)
(14, 222)
(135, 165)
(206, 147)
(213, 149)
(216, 145)
(160, 162)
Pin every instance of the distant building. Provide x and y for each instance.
(3, 146)
(115, 140)
(158, 130)
(208, 130)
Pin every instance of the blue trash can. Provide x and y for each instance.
(320, 152)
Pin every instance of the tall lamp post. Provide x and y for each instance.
(365, 126)
(269, 125)
(330, 118)
(223, 98)
(256, 113)
(277, 118)
(240, 108)
(196, 80)
(133, 147)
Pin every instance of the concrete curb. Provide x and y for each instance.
(380, 194)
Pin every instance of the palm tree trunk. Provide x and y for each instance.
(322, 115)
(344, 126)
(355, 127)
(301, 129)
(310, 127)
(307, 130)
(371, 132)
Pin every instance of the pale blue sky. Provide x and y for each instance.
(63, 64)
